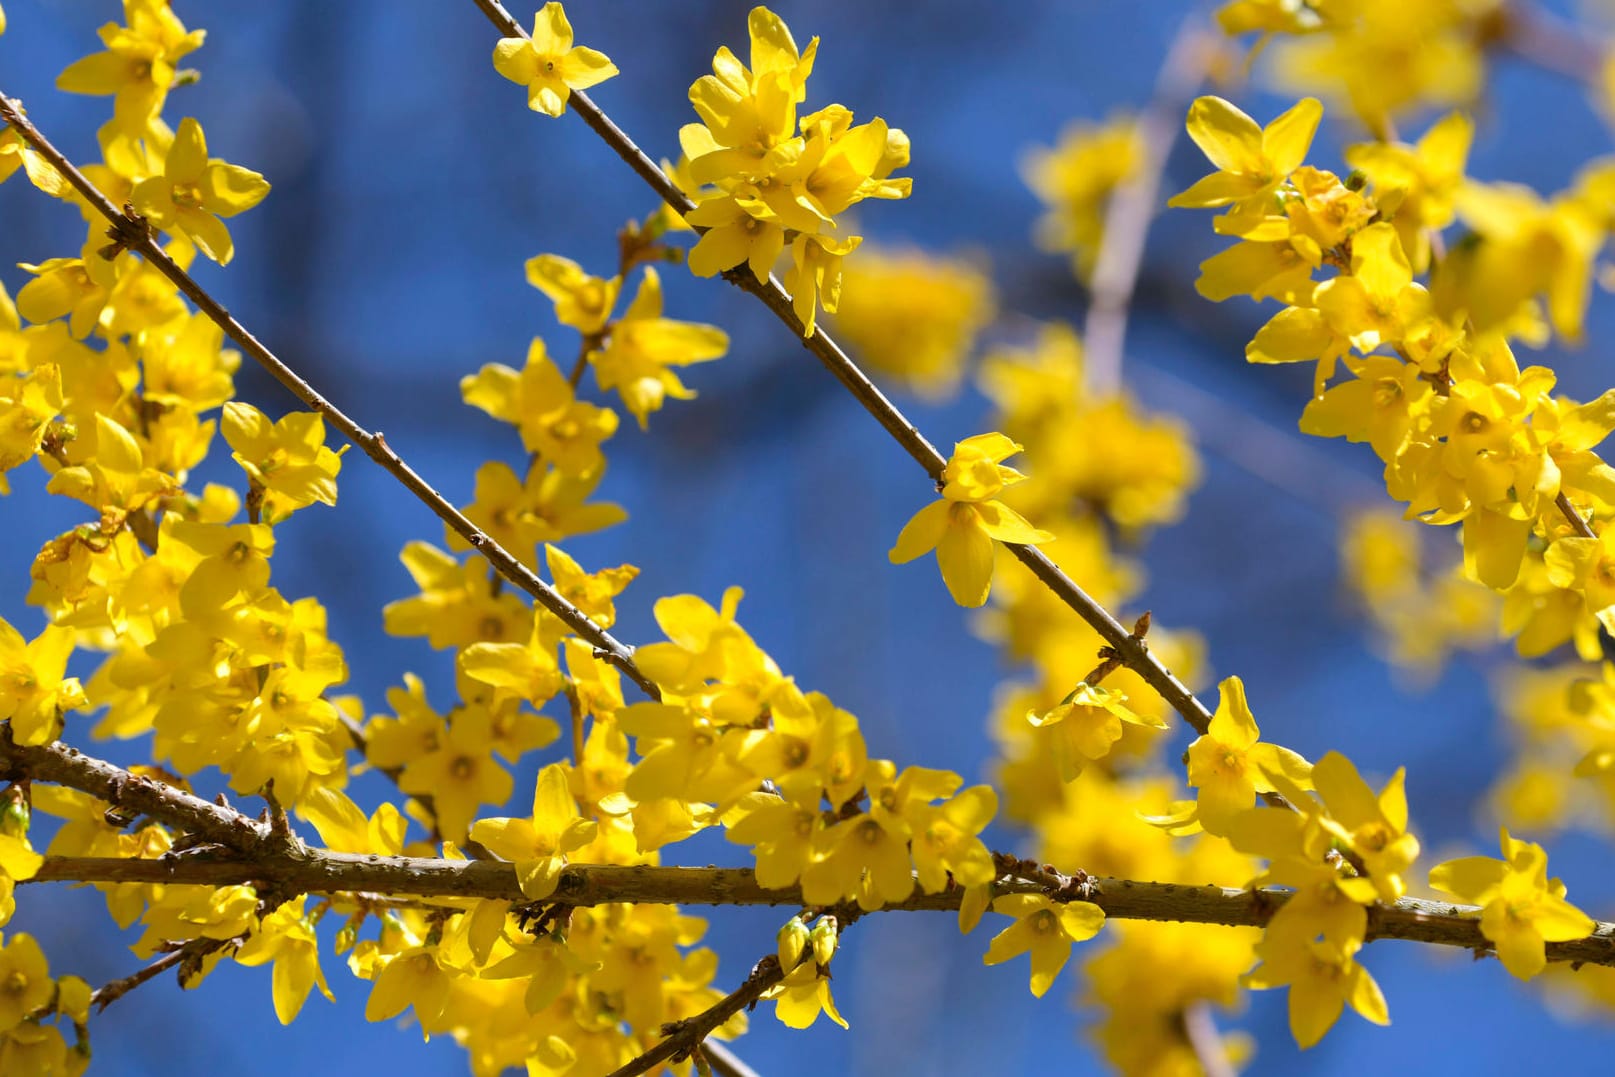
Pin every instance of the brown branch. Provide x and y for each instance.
(131, 231)
(1579, 522)
(192, 951)
(687, 1035)
(1133, 205)
(895, 423)
(321, 871)
(133, 794)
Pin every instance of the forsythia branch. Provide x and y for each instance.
(1133, 651)
(130, 231)
(251, 856)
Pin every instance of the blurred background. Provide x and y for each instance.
(410, 185)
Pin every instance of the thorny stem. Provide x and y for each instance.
(131, 231)
(1133, 652)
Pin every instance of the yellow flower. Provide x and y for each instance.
(1085, 724)
(643, 346)
(802, 995)
(1378, 302)
(963, 525)
(286, 937)
(1251, 161)
(1044, 928)
(286, 459)
(459, 772)
(195, 190)
(581, 301)
(1075, 180)
(27, 406)
(1322, 977)
(548, 64)
(1373, 828)
(914, 316)
(25, 983)
(33, 692)
(138, 64)
(539, 844)
(1227, 764)
(1522, 909)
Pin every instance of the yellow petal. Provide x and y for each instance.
(965, 556)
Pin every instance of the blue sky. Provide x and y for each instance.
(410, 184)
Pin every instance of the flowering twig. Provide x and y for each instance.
(129, 231)
(892, 420)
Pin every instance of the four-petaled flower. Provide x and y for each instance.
(548, 64)
(962, 526)
(1522, 909)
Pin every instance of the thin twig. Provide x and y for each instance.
(194, 950)
(1133, 205)
(131, 231)
(686, 1035)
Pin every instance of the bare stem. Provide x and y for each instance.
(195, 950)
(1132, 206)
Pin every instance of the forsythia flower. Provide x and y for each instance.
(286, 459)
(764, 178)
(961, 526)
(643, 347)
(1227, 764)
(1522, 909)
(1085, 724)
(1046, 929)
(539, 845)
(1251, 161)
(33, 692)
(195, 190)
(914, 315)
(286, 937)
(548, 64)
(1322, 977)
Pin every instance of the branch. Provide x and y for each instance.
(687, 1035)
(129, 230)
(249, 853)
(1133, 205)
(134, 793)
(185, 955)
(322, 871)
(893, 421)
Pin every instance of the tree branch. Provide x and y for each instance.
(322, 871)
